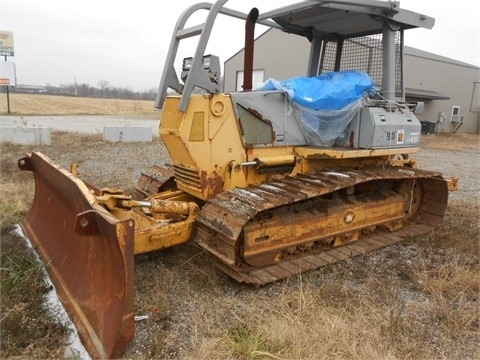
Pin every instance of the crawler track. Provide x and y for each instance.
(264, 233)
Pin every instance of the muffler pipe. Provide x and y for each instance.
(249, 43)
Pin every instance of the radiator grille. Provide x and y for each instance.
(187, 177)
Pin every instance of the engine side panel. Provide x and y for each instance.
(201, 142)
(274, 108)
(377, 128)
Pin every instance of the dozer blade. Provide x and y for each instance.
(88, 254)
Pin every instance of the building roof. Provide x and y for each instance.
(425, 94)
(432, 56)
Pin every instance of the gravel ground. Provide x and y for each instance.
(463, 164)
(119, 165)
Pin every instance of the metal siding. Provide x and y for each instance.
(452, 79)
(278, 62)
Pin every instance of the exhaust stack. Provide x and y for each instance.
(249, 45)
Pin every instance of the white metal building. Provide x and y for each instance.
(449, 89)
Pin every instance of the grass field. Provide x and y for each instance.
(415, 300)
(36, 104)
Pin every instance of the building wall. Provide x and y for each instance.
(278, 62)
(449, 77)
(423, 71)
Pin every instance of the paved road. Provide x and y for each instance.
(91, 124)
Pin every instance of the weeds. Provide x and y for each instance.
(246, 341)
(27, 329)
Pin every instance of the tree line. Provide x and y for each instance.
(103, 90)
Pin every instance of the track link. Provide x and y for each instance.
(224, 221)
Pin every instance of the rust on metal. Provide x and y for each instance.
(212, 184)
(452, 183)
(88, 254)
(277, 229)
(169, 206)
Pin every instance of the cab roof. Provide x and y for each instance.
(345, 19)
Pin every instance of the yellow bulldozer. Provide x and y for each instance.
(271, 181)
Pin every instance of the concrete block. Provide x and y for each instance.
(25, 135)
(127, 133)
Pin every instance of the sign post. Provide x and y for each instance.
(7, 70)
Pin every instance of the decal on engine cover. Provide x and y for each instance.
(400, 136)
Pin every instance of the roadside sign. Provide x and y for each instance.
(7, 74)
(6, 43)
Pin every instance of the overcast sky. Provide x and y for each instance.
(125, 42)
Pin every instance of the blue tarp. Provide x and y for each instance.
(329, 91)
(326, 104)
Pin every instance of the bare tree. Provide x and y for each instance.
(103, 85)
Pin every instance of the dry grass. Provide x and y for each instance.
(417, 300)
(27, 329)
(36, 104)
(451, 142)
